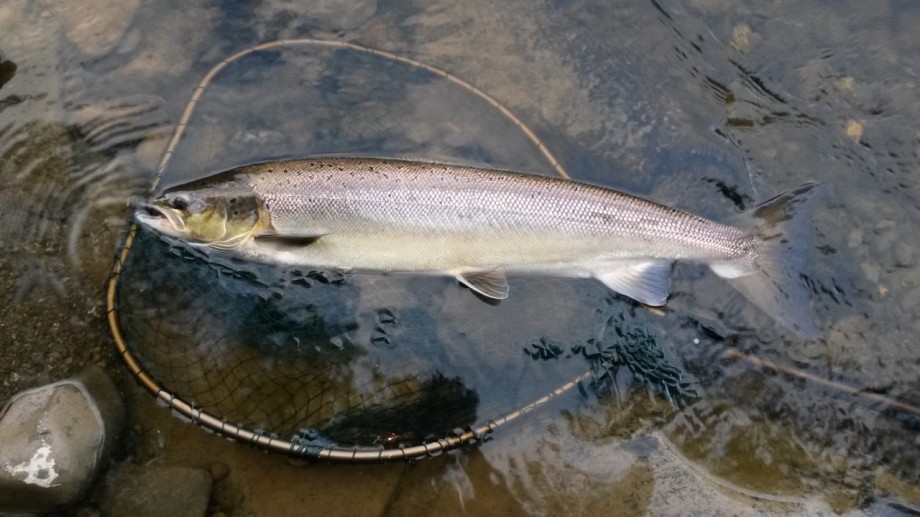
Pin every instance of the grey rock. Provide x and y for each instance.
(175, 491)
(54, 439)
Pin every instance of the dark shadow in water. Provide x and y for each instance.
(7, 70)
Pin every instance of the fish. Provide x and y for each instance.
(399, 216)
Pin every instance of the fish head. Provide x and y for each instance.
(219, 217)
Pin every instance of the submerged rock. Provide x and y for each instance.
(326, 14)
(156, 490)
(95, 27)
(54, 439)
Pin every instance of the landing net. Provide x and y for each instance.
(327, 366)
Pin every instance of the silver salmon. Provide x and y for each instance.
(389, 216)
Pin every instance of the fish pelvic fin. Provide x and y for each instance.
(490, 283)
(770, 275)
(229, 244)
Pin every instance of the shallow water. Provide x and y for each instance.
(699, 104)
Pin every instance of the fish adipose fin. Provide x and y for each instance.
(770, 276)
(490, 283)
(647, 282)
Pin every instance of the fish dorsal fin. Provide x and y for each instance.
(647, 282)
(490, 283)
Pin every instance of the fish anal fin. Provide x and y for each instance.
(490, 283)
(647, 282)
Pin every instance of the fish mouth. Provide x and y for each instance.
(164, 219)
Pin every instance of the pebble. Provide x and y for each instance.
(845, 84)
(854, 130)
(219, 471)
(871, 271)
(743, 38)
(909, 301)
(903, 254)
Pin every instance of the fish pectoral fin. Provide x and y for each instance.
(228, 244)
(291, 239)
(490, 283)
(647, 282)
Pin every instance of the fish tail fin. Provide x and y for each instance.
(770, 276)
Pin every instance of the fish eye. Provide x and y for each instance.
(180, 202)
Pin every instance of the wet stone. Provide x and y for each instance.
(53, 440)
(871, 271)
(176, 491)
(743, 38)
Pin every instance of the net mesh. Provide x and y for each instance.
(294, 353)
